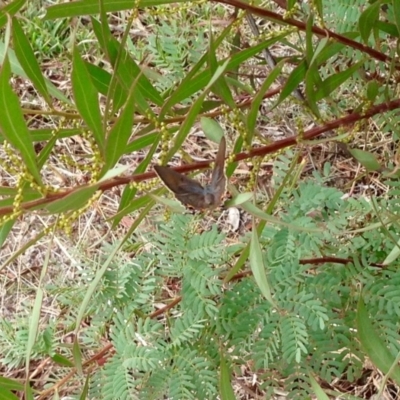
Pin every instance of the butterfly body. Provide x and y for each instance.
(192, 193)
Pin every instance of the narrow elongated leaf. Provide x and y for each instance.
(367, 159)
(134, 205)
(368, 19)
(225, 385)
(220, 87)
(257, 212)
(26, 57)
(126, 72)
(393, 255)
(194, 111)
(62, 360)
(396, 14)
(34, 323)
(174, 205)
(191, 77)
(86, 99)
(141, 142)
(372, 90)
(5, 230)
(309, 40)
(100, 78)
(319, 392)
(17, 69)
(85, 390)
(73, 201)
(312, 81)
(258, 268)
(76, 350)
(120, 133)
(239, 199)
(296, 76)
(10, 9)
(89, 7)
(10, 384)
(12, 123)
(258, 98)
(126, 204)
(189, 87)
(212, 129)
(373, 344)
(7, 395)
(390, 29)
(320, 8)
(334, 81)
(28, 391)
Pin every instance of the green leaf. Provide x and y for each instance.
(189, 87)
(73, 201)
(212, 129)
(259, 97)
(120, 133)
(220, 87)
(257, 212)
(367, 20)
(295, 77)
(89, 7)
(309, 39)
(5, 230)
(86, 98)
(7, 395)
(390, 29)
(17, 69)
(113, 172)
(312, 81)
(366, 159)
(191, 79)
(225, 385)
(258, 268)
(12, 123)
(373, 344)
(10, 384)
(320, 8)
(174, 205)
(76, 351)
(61, 360)
(396, 14)
(191, 116)
(126, 203)
(372, 90)
(126, 73)
(34, 323)
(28, 391)
(319, 392)
(100, 78)
(239, 199)
(10, 9)
(393, 255)
(26, 57)
(134, 205)
(85, 390)
(334, 81)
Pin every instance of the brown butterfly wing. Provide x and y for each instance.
(186, 190)
(218, 179)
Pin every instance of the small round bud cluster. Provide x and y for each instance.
(65, 222)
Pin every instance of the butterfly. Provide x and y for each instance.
(192, 193)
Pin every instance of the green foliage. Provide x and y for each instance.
(179, 356)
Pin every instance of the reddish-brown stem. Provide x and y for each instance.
(261, 151)
(302, 27)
